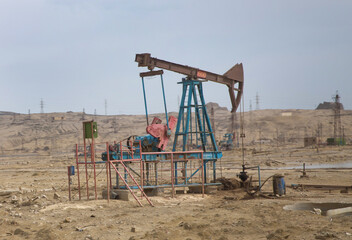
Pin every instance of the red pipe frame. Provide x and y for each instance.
(109, 163)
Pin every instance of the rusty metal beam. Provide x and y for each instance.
(232, 77)
(151, 73)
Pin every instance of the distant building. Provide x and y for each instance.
(286, 114)
(58, 118)
(328, 105)
(309, 141)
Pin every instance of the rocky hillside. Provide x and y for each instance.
(55, 133)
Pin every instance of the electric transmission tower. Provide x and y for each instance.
(337, 117)
(257, 102)
(41, 105)
(250, 110)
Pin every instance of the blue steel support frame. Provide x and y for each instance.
(204, 108)
(191, 89)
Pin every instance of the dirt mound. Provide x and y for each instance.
(229, 184)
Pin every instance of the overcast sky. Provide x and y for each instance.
(75, 54)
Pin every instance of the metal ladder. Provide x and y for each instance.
(128, 187)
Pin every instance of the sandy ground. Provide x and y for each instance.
(29, 210)
(36, 150)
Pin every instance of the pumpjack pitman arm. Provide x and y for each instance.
(232, 77)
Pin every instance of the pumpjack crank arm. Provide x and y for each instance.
(233, 77)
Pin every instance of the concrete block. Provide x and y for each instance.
(207, 189)
(194, 189)
(121, 194)
(180, 191)
(211, 189)
(154, 191)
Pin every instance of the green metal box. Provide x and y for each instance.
(87, 126)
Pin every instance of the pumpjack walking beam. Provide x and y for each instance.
(233, 77)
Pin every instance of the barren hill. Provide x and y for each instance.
(56, 133)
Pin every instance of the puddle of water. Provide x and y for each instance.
(324, 207)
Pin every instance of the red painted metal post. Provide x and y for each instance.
(131, 144)
(79, 182)
(141, 166)
(107, 171)
(141, 163)
(85, 160)
(69, 182)
(134, 180)
(134, 196)
(92, 150)
(172, 175)
(110, 176)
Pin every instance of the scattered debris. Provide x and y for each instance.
(325, 235)
(317, 211)
(229, 198)
(81, 229)
(56, 196)
(229, 184)
(19, 231)
(8, 192)
(67, 220)
(185, 225)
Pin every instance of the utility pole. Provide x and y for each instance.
(83, 114)
(337, 117)
(14, 118)
(250, 111)
(277, 137)
(319, 133)
(41, 105)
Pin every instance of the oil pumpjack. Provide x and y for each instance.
(194, 129)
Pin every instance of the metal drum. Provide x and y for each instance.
(279, 186)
